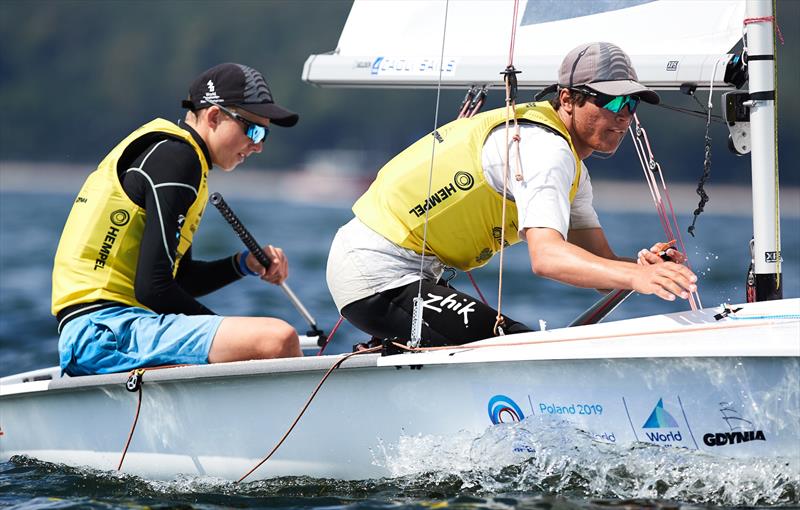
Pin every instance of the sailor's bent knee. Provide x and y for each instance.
(282, 340)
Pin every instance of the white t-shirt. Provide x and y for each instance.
(548, 169)
(362, 263)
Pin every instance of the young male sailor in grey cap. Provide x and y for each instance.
(374, 263)
(125, 282)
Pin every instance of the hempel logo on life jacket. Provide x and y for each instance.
(461, 181)
(120, 218)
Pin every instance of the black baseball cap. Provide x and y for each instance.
(603, 67)
(232, 84)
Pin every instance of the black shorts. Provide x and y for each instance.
(449, 317)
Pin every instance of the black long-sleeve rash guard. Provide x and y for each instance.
(163, 180)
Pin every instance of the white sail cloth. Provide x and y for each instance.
(398, 43)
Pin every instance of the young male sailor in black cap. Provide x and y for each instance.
(124, 279)
(374, 264)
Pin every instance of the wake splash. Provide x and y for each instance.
(550, 456)
(541, 462)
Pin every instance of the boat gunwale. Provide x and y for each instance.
(193, 372)
(612, 340)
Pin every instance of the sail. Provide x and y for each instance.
(405, 43)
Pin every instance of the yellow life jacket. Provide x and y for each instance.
(99, 247)
(464, 211)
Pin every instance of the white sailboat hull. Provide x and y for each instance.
(728, 388)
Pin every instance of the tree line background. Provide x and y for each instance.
(76, 76)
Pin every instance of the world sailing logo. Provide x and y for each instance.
(503, 409)
(661, 419)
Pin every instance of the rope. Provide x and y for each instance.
(775, 149)
(305, 406)
(330, 337)
(134, 383)
(417, 315)
(473, 102)
(706, 156)
(767, 19)
(650, 167)
(464, 110)
(513, 35)
(511, 91)
(692, 113)
(777, 317)
(139, 373)
(475, 284)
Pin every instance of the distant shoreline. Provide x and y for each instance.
(326, 187)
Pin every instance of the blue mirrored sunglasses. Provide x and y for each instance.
(612, 103)
(255, 132)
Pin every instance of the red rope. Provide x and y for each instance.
(330, 337)
(475, 284)
(513, 35)
(133, 427)
(141, 372)
(766, 19)
(651, 167)
(308, 402)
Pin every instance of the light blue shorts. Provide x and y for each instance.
(121, 338)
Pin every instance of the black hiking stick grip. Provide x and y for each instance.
(246, 237)
(252, 245)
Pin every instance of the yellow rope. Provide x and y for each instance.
(775, 148)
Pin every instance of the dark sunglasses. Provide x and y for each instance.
(612, 103)
(255, 132)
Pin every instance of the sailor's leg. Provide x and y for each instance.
(121, 338)
(380, 316)
(450, 317)
(245, 338)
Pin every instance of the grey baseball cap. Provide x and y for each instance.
(603, 67)
(239, 85)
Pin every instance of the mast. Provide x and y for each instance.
(764, 164)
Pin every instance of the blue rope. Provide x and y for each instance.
(782, 316)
